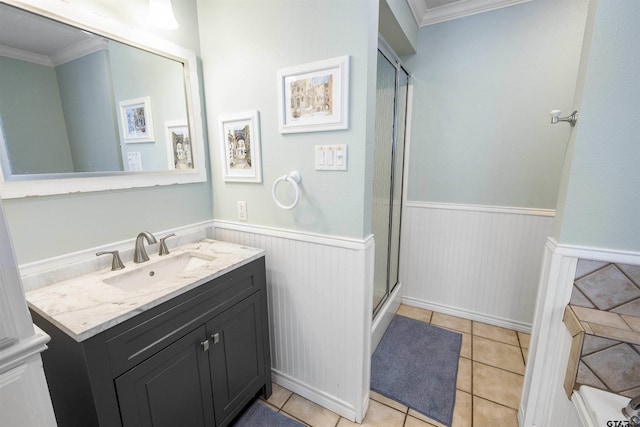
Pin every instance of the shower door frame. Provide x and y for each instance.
(385, 50)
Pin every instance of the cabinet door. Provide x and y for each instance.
(171, 388)
(236, 357)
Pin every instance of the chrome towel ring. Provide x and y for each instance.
(294, 178)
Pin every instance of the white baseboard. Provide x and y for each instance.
(323, 399)
(470, 315)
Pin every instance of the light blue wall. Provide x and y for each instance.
(32, 117)
(87, 99)
(601, 206)
(243, 45)
(43, 227)
(483, 89)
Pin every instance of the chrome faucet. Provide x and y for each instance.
(140, 253)
(632, 412)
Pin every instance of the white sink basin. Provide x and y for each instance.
(158, 271)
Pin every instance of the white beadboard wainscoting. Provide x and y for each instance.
(320, 303)
(544, 401)
(477, 262)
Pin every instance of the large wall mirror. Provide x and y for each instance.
(88, 104)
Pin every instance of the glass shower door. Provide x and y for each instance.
(391, 98)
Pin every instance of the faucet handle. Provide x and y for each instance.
(632, 412)
(116, 262)
(163, 245)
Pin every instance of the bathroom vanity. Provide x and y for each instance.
(191, 348)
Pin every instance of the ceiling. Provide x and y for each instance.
(31, 37)
(427, 12)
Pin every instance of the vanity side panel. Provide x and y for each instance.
(69, 379)
(261, 280)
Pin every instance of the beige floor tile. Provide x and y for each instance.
(389, 402)
(378, 415)
(279, 396)
(451, 322)
(461, 412)
(309, 412)
(498, 354)
(497, 385)
(495, 333)
(490, 414)
(525, 339)
(491, 366)
(464, 375)
(415, 313)
(465, 349)
(525, 354)
(273, 408)
(424, 418)
(414, 422)
(266, 404)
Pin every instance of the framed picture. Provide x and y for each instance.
(240, 141)
(179, 152)
(136, 120)
(314, 97)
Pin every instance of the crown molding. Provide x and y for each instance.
(461, 8)
(63, 56)
(80, 49)
(23, 55)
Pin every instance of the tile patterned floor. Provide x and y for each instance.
(490, 376)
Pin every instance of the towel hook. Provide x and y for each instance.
(294, 178)
(555, 117)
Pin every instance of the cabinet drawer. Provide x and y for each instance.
(138, 338)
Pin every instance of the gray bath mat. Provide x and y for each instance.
(260, 416)
(416, 364)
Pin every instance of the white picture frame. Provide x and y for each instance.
(314, 97)
(240, 144)
(179, 145)
(136, 120)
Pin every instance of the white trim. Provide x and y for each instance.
(459, 9)
(301, 236)
(22, 350)
(482, 208)
(469, 314)
(385, 316)
(595, 253)
(323, 399)
(79, 50)
(23, 55)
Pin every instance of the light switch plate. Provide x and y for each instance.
(331, 157)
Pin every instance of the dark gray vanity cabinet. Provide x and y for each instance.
(171, 388)
(194, 360)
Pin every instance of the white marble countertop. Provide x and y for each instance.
(85, 306)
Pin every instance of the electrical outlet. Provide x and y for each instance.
(242, 210)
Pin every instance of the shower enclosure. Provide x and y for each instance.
(391, 114)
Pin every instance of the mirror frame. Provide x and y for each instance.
(49, 184)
